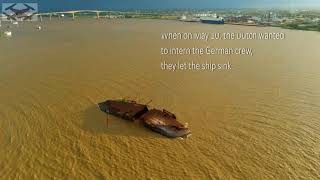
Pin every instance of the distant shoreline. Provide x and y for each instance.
(286, 19)
(160, 15)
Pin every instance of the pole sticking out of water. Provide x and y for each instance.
(107, 121)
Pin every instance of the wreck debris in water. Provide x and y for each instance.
(163, 122)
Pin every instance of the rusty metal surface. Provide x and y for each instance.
(156, 117)
(163, 122)
(126, 109)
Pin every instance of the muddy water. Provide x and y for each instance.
(259, 120)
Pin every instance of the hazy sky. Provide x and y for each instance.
(45, 5)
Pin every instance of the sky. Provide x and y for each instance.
(47, 5)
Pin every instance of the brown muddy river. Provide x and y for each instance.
(259, 120)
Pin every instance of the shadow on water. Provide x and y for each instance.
(96, 122)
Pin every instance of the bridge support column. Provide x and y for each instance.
(98, 15)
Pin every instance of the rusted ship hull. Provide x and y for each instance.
(169, 131)
(162, 122)
(165, 123)
(128, 110)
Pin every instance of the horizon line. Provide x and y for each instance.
(181, 9)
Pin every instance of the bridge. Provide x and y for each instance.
(73, 13)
